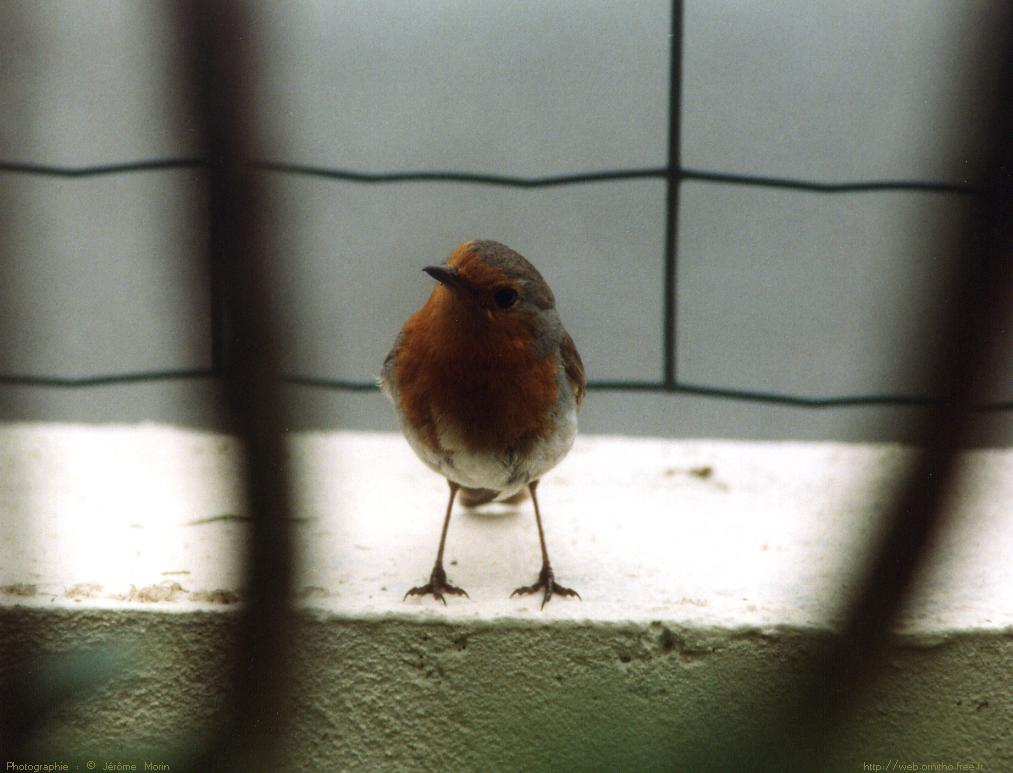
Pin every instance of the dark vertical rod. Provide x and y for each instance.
(218, 333)
(670, 285)
(221, 43)
(18, 723)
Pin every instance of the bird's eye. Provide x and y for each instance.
(505, 297)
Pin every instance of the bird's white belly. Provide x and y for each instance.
(506, 473)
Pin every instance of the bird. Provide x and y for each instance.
(487, 385)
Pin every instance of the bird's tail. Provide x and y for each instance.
(473, 497)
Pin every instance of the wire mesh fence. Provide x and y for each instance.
(673, 174)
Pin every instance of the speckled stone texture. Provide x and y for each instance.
(414, 695)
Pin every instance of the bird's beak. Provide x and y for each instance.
(448, 277)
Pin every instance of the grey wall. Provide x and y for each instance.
(777, 290)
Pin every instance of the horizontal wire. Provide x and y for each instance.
(780, 398)
(342, 385)
(110, 379)
(851, 401)
(506, 181)
(861, 186)
(346, 385)
(126, 167)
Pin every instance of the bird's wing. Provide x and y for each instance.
(574, 368)
(387, 381)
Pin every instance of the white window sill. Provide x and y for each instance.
(703, 533)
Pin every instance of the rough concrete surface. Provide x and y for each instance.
(708, 570)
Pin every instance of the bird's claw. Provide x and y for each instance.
(546, 583)
(436, 587)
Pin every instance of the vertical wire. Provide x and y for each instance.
(673, 182)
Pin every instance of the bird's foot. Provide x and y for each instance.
(437, 586)
(548, 585)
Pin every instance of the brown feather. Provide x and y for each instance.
(449, 371)
(574, 368)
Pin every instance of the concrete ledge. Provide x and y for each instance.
(708, 571)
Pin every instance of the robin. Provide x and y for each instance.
(487, 384)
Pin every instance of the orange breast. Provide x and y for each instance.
(475, 376)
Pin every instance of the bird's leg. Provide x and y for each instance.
(546, 579)
(438, 584)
